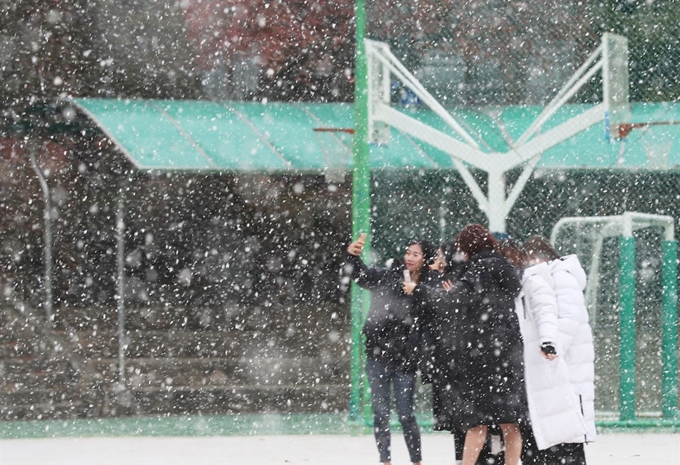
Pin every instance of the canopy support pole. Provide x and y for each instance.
(47, 216)
(120, 255)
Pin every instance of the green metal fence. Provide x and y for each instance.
(504, 53)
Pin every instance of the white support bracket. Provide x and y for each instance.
(464, 150)
(380, 52)
(432, 136)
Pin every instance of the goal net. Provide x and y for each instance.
(632, 298)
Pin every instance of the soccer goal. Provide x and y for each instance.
(654, 275)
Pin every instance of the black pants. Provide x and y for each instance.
(382, 377)
(561, 454)
(565, 454)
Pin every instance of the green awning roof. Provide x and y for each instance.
(279, 137)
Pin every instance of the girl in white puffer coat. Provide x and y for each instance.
(554, 411)
(576, 338)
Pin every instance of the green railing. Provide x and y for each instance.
(627, 324)
(669, 331)
(246, 425)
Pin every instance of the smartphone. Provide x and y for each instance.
(407, 276)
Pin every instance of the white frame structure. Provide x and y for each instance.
(465, 152)
(623, 226)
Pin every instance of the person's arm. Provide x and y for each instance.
(365, 276)
(543, 304)
(460, 293)
(570, 302)
(443, 297)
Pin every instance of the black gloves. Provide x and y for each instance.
(548, 348)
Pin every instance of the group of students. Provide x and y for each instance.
(501, 332)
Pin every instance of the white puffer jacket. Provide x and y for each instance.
(553, 406)
(576, 336)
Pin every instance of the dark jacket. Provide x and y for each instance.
(428, 327)
(481, 339)
(439, 323)
(390, 331)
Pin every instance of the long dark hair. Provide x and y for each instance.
(449, 250)
(540, 247)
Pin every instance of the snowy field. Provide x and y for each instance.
(610, 449)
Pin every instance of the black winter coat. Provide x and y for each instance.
(390, 329)
(439, 323)
(483, 377)
(428, 326)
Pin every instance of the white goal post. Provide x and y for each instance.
(623, 227)
(600, 228)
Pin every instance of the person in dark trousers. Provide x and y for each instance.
(392, 340)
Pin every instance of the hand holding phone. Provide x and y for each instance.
(408, 286)
(356, 247)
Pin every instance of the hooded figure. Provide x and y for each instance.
(576, 344)
(554, 408)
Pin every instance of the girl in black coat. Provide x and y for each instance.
(493, 391)
(392, 341)
(438, 333)
(487, 370)
(440, 324)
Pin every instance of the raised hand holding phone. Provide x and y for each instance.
(356, 247)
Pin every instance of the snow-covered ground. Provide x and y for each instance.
(610, 449)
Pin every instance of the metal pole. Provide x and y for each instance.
(669, 322)
(361, 206)
(442, 220)
(496, 205)
(120, 253)
(627, 327)
(47, 216)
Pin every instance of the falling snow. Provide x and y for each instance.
(134, 292)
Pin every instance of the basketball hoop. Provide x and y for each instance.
(624, 129)
(336, 147)
(345, 130)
